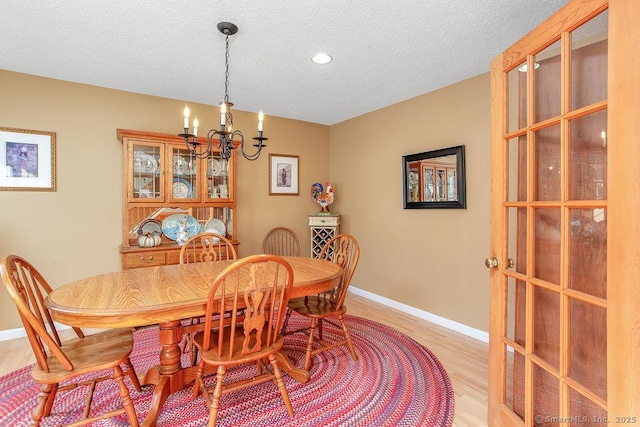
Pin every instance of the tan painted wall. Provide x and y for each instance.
(428, 259)
(75, 231)
(431, 259)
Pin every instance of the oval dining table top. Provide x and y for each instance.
(150, 295)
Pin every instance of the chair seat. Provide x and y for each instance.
(211, 356)
(91, 353)
(315, 306)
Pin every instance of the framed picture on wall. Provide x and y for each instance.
(27, 160)
(283, 175)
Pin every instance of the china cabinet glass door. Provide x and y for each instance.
(429, 184)
(146, 178)
(218, 184)
(441, 184)
(184, 174)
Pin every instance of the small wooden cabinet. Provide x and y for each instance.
(323, 228)
(161, 178)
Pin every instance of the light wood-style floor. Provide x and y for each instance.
(465, 359)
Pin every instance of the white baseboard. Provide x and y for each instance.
(10, 334)
(438, 320)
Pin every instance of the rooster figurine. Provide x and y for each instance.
(323, 200)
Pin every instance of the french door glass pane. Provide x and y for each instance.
(584, 412)
(588, 350)
(547, 158)
(517, 168)
(547, 245)
(546, 325)
(514, 381)
(546, 406)
(588, 251)
(588, 157)
(516, 306)
(517, 98)
(547, 83)
(517, 243)
(589, 48)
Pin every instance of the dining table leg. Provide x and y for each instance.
(167, 376)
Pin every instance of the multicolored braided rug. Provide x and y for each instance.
(395, 382)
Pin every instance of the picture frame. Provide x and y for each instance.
(27, 160)
(283, 175)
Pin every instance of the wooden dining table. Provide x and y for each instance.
(166, 295)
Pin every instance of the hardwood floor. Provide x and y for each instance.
(465, 359)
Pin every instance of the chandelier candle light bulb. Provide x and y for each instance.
(223, 113)
(260, 121)
(186, 117)
(195, 126)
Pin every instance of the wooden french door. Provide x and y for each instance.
(565, 257)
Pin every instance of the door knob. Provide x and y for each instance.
(492, 262)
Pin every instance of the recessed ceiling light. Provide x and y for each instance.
(523, 68)
(321, 58)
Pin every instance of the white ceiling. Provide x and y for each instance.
(384, 51)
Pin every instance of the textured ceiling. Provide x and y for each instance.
(384, 51)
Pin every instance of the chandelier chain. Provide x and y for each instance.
(226, 72)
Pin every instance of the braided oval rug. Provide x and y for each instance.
(395, 382)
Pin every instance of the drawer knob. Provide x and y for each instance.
(146, 261)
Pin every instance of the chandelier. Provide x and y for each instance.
(223, 138)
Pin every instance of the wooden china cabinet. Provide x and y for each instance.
(162, 178)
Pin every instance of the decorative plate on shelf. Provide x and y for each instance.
(172, 224)
(181, 188)
(215, 168)
(153, 226)
(214, 225)
(144, 163)
(180, 166)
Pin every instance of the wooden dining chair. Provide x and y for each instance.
(202, 247)
(281, 241)
(261, 285)
(207, 247)
(344, 250)
(61, 362)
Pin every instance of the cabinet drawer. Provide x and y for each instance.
(143, 259)
(173, 257)
(324, 221)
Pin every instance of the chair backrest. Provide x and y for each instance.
(259, 286)
(207, 247)
(344, 250)
(28, 289)
(281, 241)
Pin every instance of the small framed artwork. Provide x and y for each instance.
(27, 160)
(283, 175)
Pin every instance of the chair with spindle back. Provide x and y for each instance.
(260, 285)
(203, 247)
(207, 247)
(281, 241)
(63, 361)
(343, 250)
